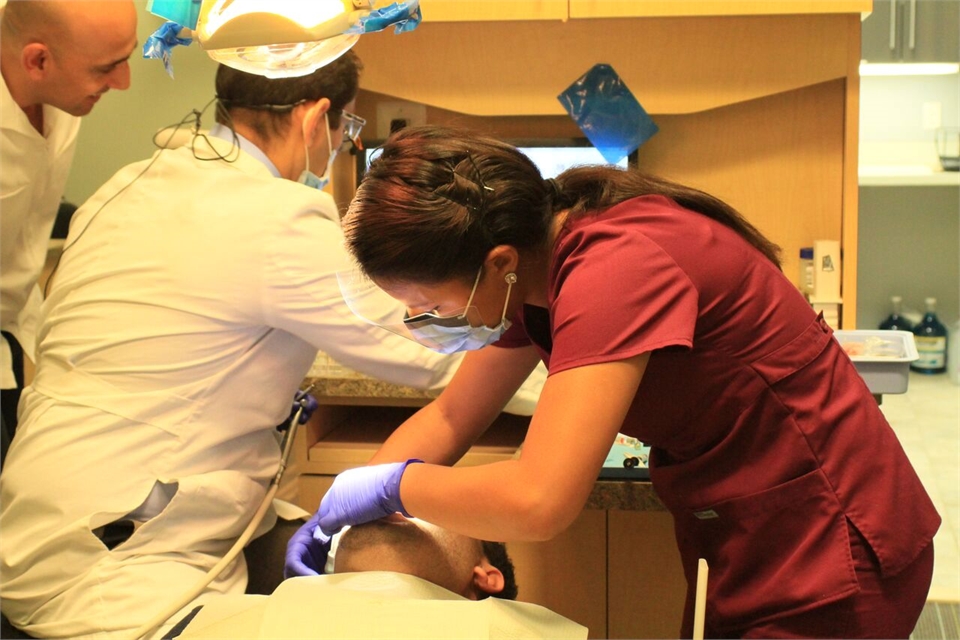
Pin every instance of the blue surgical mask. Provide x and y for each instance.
(311, 179)
(450, 334)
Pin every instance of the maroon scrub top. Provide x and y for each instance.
(765, 439)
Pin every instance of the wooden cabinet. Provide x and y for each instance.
(500, 10)
(654, 8)
(912, 31)
(487, 10)
(646, 586)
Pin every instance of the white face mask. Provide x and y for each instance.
(450, 334)
(311, 179)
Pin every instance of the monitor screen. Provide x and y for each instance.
(554, 156)
(551, 155)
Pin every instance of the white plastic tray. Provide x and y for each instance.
(881, 357)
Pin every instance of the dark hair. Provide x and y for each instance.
(496, 553)
(436, 200)
(264, 104)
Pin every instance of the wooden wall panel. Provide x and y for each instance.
(568, 574)
(778, 160)
(646, 583)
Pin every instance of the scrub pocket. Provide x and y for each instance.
(776, 552)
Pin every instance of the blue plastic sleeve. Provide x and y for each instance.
(403, 16)
(162, 42)
(607, 113)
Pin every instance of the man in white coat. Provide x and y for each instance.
(193, 293)
(57, 58)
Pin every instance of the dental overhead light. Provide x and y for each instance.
(275, 38)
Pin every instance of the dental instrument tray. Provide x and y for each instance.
(882, 357)
(627, 460)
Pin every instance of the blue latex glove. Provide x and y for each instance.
(307, 550)
(363, 494)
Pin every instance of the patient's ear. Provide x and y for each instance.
(487, 578)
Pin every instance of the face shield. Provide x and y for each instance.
(352, 126)
(462, 330)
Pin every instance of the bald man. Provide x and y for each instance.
(57, 58)
(466, 566)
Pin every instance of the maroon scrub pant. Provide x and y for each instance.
(884, 608)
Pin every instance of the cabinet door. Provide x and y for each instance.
(931, 31)
(912, 31)
(646, 588)
(880, 35)
(568, 574)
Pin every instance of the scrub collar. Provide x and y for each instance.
(225, 133)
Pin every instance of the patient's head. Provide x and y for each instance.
(467, 566)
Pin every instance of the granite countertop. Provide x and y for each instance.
(363, 387)
(624, 495)
(330, 380)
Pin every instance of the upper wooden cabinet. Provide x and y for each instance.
(655, 8)
(673, 65)
(489, 10)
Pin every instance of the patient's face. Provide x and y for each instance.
(415, 547)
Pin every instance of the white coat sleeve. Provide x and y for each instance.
(303, 298)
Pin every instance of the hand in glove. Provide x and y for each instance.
(363, 494)
(307, 550)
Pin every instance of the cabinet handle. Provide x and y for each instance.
(913, 24)
(893, 24)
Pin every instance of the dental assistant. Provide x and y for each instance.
(661, 313)
(194, 291)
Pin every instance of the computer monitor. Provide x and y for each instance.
(551, 155)
(554, 156)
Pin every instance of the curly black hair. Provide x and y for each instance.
(496, 553)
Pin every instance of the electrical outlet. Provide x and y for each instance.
(397, 114)
(931, 116)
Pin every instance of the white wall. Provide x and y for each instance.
(120, 128)
(909, 235)
(891, 117)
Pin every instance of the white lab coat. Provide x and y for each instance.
(33, 174)
(185, 313)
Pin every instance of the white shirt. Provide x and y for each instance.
(33, 173)
(188, 306)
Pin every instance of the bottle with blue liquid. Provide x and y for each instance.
(895, 321)
(931, 338)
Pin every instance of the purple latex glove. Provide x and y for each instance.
(307, 550)
(363, 494)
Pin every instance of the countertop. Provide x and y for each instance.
(624, 495)
(906, 176)
(334, 384)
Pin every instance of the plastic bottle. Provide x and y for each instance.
(931, 338)
(895, 321)
(806, 271)
(953, 352)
